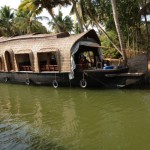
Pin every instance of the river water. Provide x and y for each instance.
(43, 118)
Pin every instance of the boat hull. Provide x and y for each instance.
(98, 78)
(34, 78)
(92, 78)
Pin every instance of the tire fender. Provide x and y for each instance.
(6, 79)
(55, 84)
(83, 83)
(28, 81)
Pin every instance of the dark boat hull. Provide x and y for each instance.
(34, 78)
(93, 78)
(98, 78)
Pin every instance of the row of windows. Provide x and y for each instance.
(46, 61)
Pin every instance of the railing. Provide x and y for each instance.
(49, 68)
(25, 68)
(82, 66)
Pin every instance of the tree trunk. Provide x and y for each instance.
(145, 16)
(52, 15)
(78, 17)
(119, 32)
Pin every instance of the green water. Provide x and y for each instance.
(34, 117)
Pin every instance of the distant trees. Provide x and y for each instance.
(18, 22)
(6, 21)
(133, 16)
(25, 23)
(134, 21)
(134, 27)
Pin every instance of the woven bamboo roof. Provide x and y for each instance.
(34, 35)
(90, 33)
(43, 50)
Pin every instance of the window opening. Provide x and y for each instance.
(48, 61)
(23, 62)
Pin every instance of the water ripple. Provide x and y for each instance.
(73, 119)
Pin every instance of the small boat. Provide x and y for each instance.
(55, 59)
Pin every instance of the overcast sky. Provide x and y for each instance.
(15, 3)
(11, 3)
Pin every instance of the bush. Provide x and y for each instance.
(109, 51)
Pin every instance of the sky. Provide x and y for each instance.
(15, 3)
(11, 3)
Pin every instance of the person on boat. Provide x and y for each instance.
(84, 62)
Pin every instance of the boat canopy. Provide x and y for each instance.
(84, 43)
(75, 48)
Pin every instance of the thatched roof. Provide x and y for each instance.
(33, 36)
(61, 42)
(44, 50)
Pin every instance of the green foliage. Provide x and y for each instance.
(37, 6)
(135, 31)
(6, 21)
(108, 50)
(18, 23)
(26, 23)
(111, 53)
(105, 42)
(66, 23)
(92, 13)
(129, 13)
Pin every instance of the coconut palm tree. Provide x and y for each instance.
(76, 9)
(66, 23)
(36, 7)
(119, 32)
(94, 7)
(6, 19)
(25, 23)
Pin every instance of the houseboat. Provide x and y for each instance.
(56, 60)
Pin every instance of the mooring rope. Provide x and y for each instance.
(55, 76)
(83, 75)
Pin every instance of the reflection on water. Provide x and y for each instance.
(73, 119)
(38, 115)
